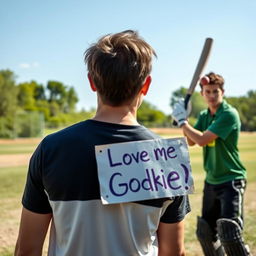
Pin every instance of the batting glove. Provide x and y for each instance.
(189, 106)
(179, 113)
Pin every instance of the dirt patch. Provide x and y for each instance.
(20, 141)
(166, 130)
(170, 132)
(14, 160)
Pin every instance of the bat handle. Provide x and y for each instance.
(174, 123)
(186, 101)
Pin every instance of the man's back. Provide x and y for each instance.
(63, 185)
(82, 225)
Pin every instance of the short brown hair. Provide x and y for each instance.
(118, 65)
(214, 79)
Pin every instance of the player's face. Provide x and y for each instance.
(213, 95)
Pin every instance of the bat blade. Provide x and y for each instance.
(199, 69)
(201, 64)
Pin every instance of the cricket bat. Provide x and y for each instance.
(198, 71)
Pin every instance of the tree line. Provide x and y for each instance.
(25, 105)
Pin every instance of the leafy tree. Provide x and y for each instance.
(8, 103)
(54, 108)
(40, 92)
(43, 107)
(72, 99)
(57, 93)
(29, 93)
(22, 102)
(60, 94)
(246, 106)
(8, 93)
(26, 99)
(149, 115)
(65, 119)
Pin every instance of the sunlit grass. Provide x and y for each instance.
(17, 149)
(12, 180)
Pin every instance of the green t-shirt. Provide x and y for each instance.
(221, 157)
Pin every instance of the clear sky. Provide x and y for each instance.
(45, 40)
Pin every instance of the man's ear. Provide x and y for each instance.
(93, 87)
(146, 85)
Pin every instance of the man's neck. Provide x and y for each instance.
(118, 115)
(214, 109)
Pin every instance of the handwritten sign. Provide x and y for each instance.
(142, 170)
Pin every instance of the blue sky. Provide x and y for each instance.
(45, 40)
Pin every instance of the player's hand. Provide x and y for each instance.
(189, 106)
(179, 113)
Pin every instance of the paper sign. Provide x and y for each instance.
(142, 170)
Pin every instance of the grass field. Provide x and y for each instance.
(14, 155)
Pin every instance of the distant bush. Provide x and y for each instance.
(63, 119)
(29, 124)
(6, 128)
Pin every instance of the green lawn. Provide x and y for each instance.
(12, 180)
(16, 149)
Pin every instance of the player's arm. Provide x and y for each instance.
(195, 136)
(171, 239)
(32, 233)
(190, 142)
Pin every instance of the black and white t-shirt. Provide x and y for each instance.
(63, 179)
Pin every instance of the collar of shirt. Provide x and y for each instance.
(220, 109)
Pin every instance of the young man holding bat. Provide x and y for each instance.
(62, 184)
(217, 131)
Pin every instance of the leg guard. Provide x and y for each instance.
(230, 235)
(210, 244)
